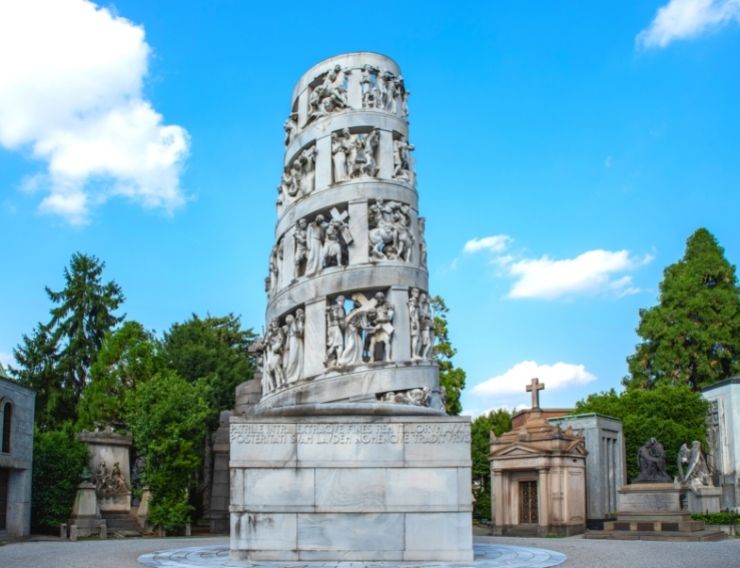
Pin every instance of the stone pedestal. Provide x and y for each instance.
(703, 499)
(649, 498)
(85, 511)
(109, 463)
(329, 488)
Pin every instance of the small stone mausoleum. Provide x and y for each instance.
(538, 478)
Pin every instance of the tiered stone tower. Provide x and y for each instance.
(349, 454)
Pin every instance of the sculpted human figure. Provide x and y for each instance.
(274, 267)
(332, 250)
(296, 173)
(300, 248)
(335, 321)
(368, 86)
(340, 148)
(421, 225)
(290, 127)
(294, 356)
(330, 95)
(414, 324)
(355, 323)
(692, 466)
(275, 340)
(651, 459)
(426, 321)
(381, 328)
(402, 159)
(315, 240)
(404, 240)
(307, 162)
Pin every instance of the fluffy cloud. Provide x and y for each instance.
(682, 19)
(592, 272)
(71, 92)
(494, 243)
(514, 381)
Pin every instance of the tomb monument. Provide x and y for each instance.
(346, 452)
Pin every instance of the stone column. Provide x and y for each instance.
(543, 498)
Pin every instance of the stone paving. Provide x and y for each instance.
(486, 556)
(578, 552)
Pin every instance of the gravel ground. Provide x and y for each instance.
(581, 553)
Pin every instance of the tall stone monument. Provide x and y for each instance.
(349, 455)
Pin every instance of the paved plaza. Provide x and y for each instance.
(526, 552)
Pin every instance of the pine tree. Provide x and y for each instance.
(692, 337)
(82, 317)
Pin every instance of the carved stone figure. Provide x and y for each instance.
(369, 86)
(651, 459)
(341, 144)
(300, 248)
(390, 237)
(402, 159)
(355, 324)
(380, 330)
(421, 225)
(315, 243)
(290, 127)
(273, 358)
(361, 160)
(417, 397)
(293, 360)
(276, 255)
(426, 322)
(307, 165)
(692, 466)
(335, 322)
(414, 324)
(330, 96)
(109, 483)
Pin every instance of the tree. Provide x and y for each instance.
(167, 419)
(692, 337)
(451, 378)
(58, 461)
(673, 414)
(497, 422)
(37, 357)
(214, 350)
(81, 318)
(129, 356)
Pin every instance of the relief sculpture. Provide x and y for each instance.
(390, 234)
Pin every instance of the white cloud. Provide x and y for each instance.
(682, 19)
(493, 243)
(71, 76)
(592, 272)
(514, 381)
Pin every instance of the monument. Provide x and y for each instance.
(538, 481)
(347, 453)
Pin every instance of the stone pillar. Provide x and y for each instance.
(333, 451)
(543, 499)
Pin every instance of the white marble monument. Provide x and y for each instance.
(349, 455)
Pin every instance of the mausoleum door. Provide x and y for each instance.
(4, 474)
(528, 502)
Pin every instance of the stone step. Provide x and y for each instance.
(695, 536)
(654, 525)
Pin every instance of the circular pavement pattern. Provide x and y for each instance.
(486, 556)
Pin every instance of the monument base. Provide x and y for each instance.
(354, 488)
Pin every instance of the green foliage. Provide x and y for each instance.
(721, 518)
(167, 419)
(56, 359)
(480, 432)
(58, 461)
(451, 378)
(692, 337)
(673, 414)
(128, 356)
(214, 350)
(37, 356)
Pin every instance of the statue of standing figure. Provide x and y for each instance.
(273, 357)
(696, 473)
(402, 159)
(426, 322)
(380, 330)
(361, 160)
(414, 324)
(293, 359)
(315, 244)
(341, 145)
(300, 248)
(335, 324)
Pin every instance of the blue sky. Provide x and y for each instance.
(564, 152)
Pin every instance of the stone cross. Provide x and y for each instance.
(534, 387)
(340, 219)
